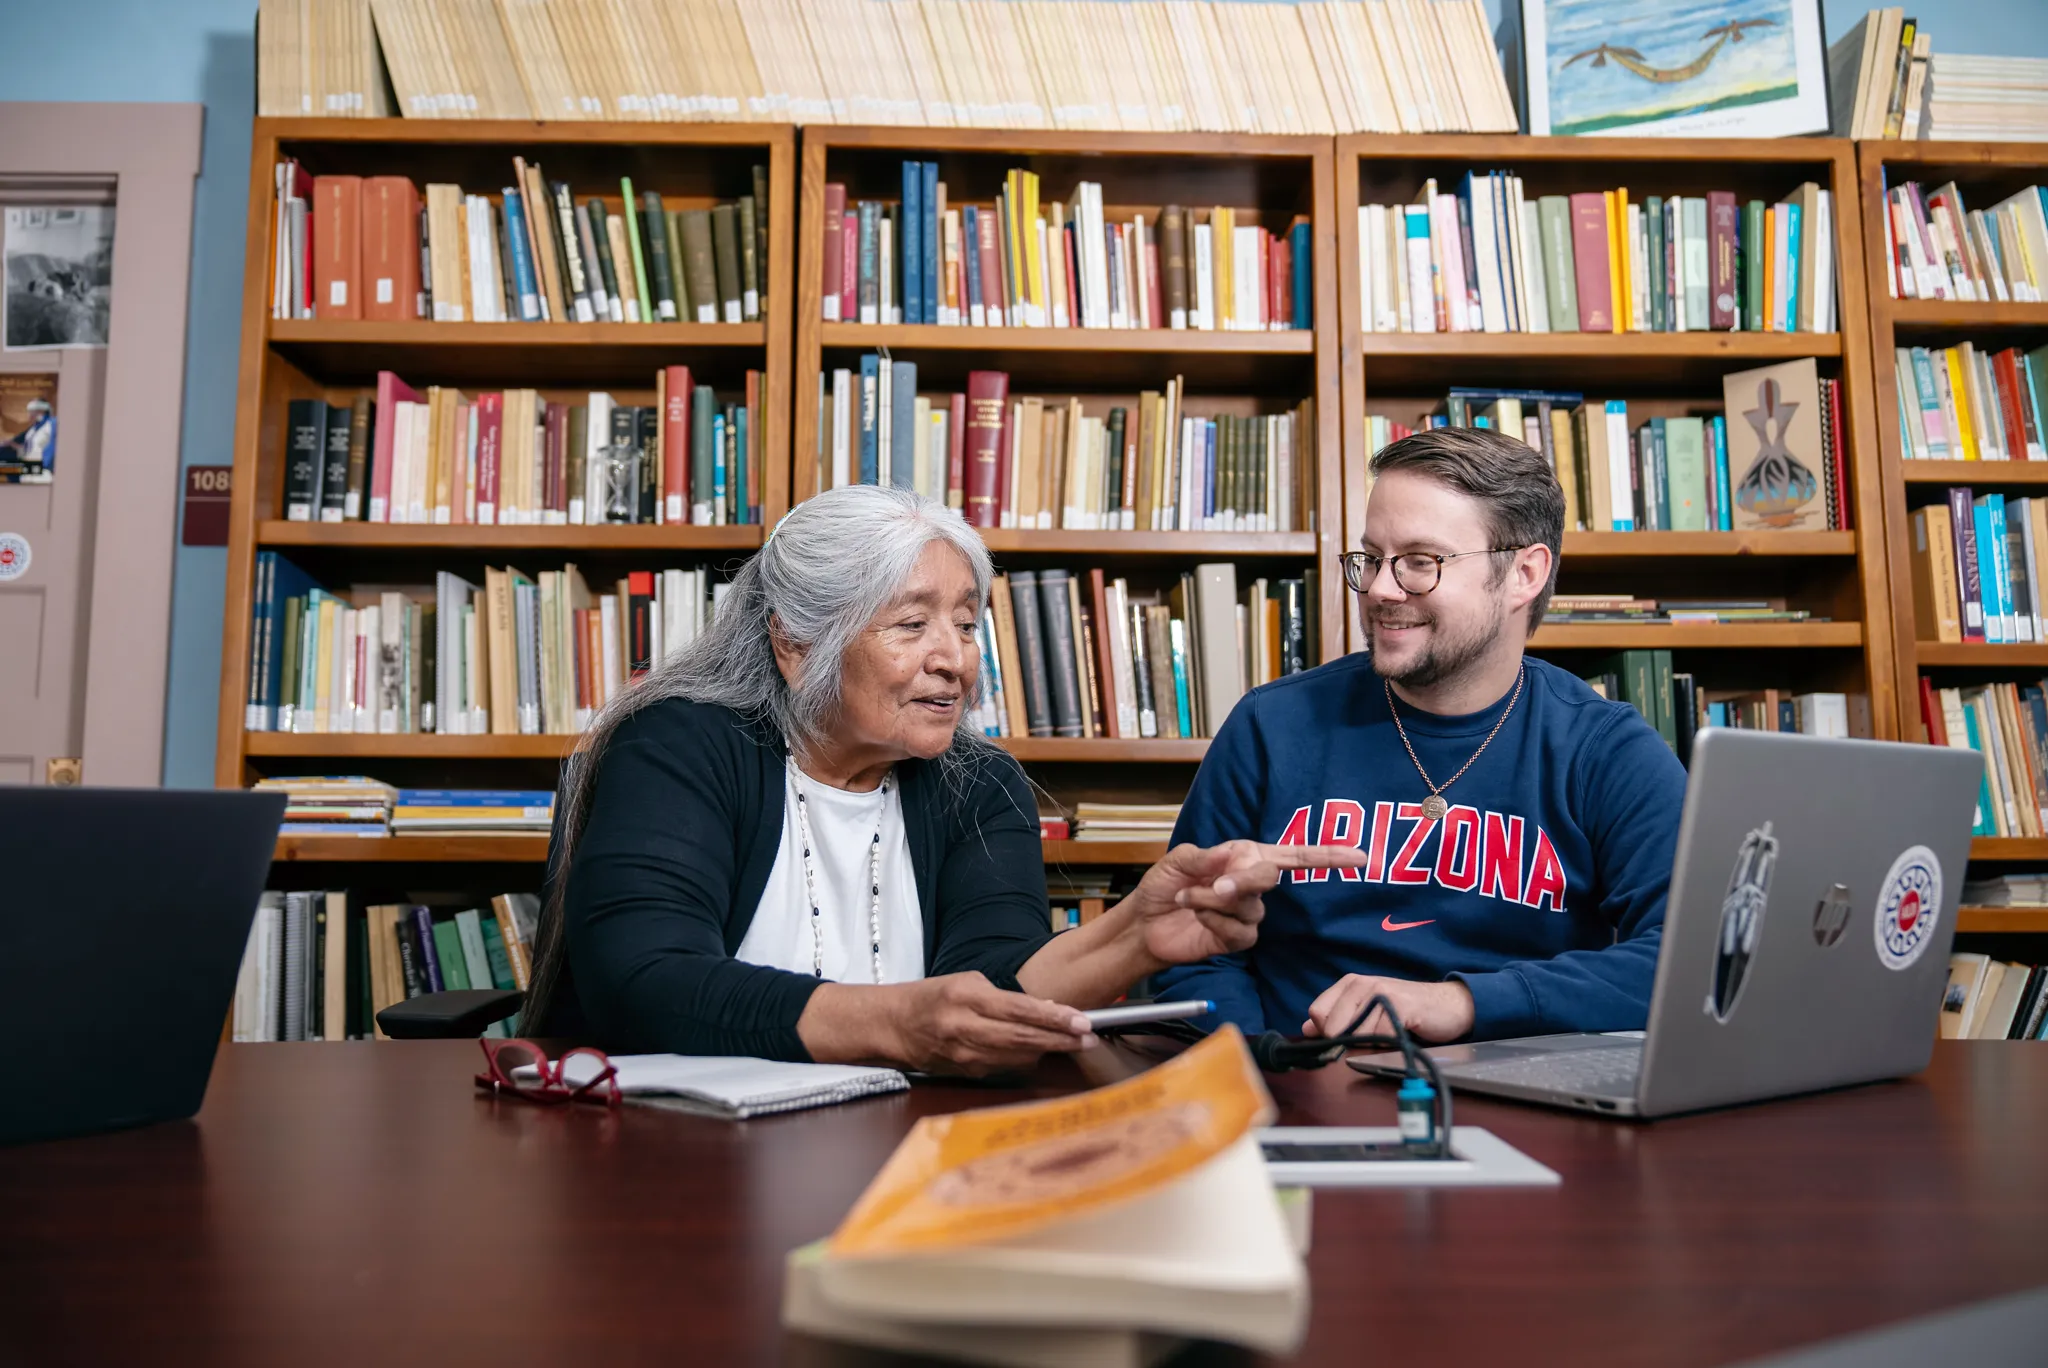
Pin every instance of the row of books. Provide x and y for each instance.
(511, 457)
(1486, 258)
(1625, 608)
(1877, 77)
(1988, 999)
(1039, 462)
(1084, 656)
(1936, 247)
(1674, 704)
(1018, 263)
(2006, 724)
(355, 805)
(315, 969)
(1328, 66)
(353, 247)
(516, 656)
(1964, 403)
(1977, 563)
(1676, 474)
(1124, 821)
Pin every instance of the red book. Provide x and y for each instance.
(640, 625)
(988, 400)
(1279, 283)
(992, 281)
(338, 247)
(757, 442)
(1834, 400)
(956, 459)
(1073, 274)
(835, 259)
(1930, 713)
(849, 268)
(1589, 257)
(390, 249)
(1721, 219)
(490, 439)
(390, 391)
(987, 404)
(1052, 828)
(555, 474)
(675, 445)
(1105, 678)
(2005, 365)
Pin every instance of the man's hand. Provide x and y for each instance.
(1430, 1011)
(1199, 902)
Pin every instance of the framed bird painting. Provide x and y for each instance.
(1675, 68)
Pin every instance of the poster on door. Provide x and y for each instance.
(28, 428)
(59, 261)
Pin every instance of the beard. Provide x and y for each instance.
(1448, 652)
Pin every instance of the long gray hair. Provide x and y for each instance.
(827, 568)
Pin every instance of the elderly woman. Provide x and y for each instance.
(784, 842)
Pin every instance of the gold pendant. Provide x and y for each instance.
(1434, 807)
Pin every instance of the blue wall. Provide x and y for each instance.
(204, 50)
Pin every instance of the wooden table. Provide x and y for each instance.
(357, 1205)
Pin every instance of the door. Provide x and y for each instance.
(43, 624)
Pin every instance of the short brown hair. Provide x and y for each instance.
(1524, 504)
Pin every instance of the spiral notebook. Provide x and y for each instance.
(734, 1087)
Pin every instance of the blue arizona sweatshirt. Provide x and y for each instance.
(1542, 889)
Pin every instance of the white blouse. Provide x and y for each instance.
(842, 826)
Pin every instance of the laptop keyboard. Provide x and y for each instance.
(1611, 1072)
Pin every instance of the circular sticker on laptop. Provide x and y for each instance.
(14, 555)
(1908, 906)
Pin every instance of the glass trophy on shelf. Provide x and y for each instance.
(619, 482)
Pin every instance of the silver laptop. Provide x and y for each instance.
(1806, 937)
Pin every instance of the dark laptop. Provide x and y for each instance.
(123, 913)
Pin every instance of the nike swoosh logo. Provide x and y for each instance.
(1388, 923)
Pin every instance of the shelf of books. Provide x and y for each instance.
(1116, 354)
(1956, 243)
(1664, 320)
(513, 404)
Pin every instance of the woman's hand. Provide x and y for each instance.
(955, 1024)
(1199, 902)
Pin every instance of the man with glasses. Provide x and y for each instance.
(1519, 827)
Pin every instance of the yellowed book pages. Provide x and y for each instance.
(1199, 45)
(914, 42)
(1119, 82)
(553, 19)
(601, 59)
(1134, 82)
(879, 89)
(734, 83)
(409, 77)
(953, 53)
(978, 66)
(1259, 23)
(762, 24)
(537, 54)
(783, 42)
(632, 89)
(501, 93)
(1319, 31)
(1376, 21)
(585, 58)
(375, 90)
(466, 97)
(1156, 36)
(1500, 101)
(1319, 113)
(1006, 46)
(660, 72)
(1050, 55)
(691, 38)
(1365, 69)
(269, 73)
(1236, 56)
(1444, 75)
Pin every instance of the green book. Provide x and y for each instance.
(1666, 719)
(632, 218)
(1653, 225)
(288, 680)
(476, 962)
(750, 266)
(607, 269)
(448, 949)
(654, 227)
(1560, 276)
(761, 235)
(494, 952)
(703, 408)
(1751, 251)
(686, 303)
(1685, 468)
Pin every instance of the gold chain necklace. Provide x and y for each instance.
(1434, 806)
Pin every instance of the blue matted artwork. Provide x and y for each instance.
(1708, 67)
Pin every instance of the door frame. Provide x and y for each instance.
(151, 152)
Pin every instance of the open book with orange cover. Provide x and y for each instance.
(1094, 1227)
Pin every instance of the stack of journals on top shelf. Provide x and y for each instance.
(514, 656)
(350, 247)
(2007, 724)
(2007, 890)
(1067, 655)
(1074, 463)
(1977, 568)
(1627, 608)
(315, 970)
(1676, 474)
(472, 812)
(1878, 77)
(1332, 66)
(1936, 247)
(1125, 821)
(1020, 264)
(332, 805)
(1488, 259)
(1964, 403)
(1988, 999)
(511, 458)
(1993, 99)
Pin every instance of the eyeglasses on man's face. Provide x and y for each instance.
(1415, 572)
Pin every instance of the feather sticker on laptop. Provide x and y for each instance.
(1742, 919)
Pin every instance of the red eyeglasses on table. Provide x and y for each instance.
(580, 1075)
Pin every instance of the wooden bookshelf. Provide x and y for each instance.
(1986, 173)
(690, 165)
(2001, 920)
(1276, 177)
(1839, 576)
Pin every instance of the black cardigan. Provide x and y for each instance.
(684, 822)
